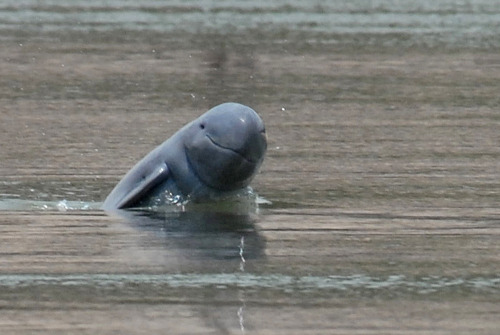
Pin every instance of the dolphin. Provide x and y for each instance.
(216, 154)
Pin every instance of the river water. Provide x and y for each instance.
(378, 199)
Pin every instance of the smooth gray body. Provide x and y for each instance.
(219, 152)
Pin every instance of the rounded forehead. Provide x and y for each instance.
(230, 108)
(231, 112)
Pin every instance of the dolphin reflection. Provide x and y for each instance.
(202, 234)
(216, 240)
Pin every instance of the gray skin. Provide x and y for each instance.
(218, 153)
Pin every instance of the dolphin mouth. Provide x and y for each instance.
(232, 150)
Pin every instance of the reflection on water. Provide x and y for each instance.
(201, 233)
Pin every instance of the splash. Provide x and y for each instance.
(245, 201)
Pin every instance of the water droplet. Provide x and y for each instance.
(62, 206)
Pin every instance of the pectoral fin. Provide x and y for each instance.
(135, 186)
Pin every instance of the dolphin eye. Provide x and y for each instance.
(202, 126)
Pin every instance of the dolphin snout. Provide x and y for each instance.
(254, 146)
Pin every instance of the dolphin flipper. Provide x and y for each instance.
(135, 187)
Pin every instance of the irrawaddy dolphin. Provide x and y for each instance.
(218, 153)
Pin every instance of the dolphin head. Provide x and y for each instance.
(226, 146)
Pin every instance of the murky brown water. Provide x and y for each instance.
(383, 168)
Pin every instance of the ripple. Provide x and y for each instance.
(424, 285)
(39, 205)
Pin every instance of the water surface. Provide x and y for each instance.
(381, 179)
